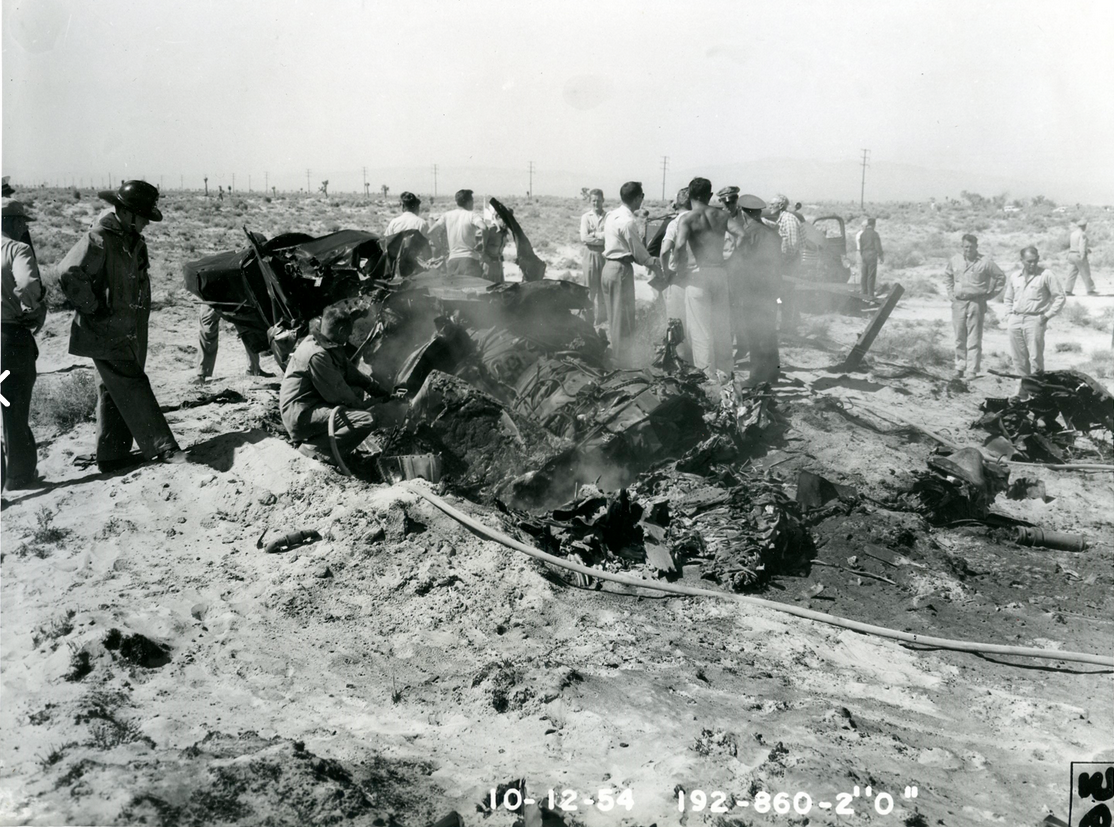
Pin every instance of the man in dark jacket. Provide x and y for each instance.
(106, 277)
(870, 253)
(24, 311)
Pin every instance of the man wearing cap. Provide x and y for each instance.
(755, 266)
(463, 231)
(106, 277)
(1033, 296)
(319, 378)
(674, 292)
(591, 236)
(970, 279)
(23, 303)
(623, 245)
(1078, 253)
(707, 296)
(409, 218)
(870, 253)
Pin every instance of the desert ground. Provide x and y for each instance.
(402, 667)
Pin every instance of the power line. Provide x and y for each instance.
(862, 190)
(664, 167)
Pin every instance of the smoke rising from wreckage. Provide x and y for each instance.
(427, 651)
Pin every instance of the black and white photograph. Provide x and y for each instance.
(568, 414)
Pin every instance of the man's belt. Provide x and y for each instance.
(623, 260)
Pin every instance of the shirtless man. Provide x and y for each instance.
(707, 299)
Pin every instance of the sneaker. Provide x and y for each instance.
(1092, 292)
(957, 376)
(200, 379)
(260, 372)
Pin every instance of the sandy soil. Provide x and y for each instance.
(401, 667)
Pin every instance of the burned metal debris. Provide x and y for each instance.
(959, 486)
(1044, 425)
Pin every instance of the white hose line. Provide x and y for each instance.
(854, 625)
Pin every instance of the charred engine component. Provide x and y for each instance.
(1043, 427)
(961, 486)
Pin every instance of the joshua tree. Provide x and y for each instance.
(385, 189)
(206, 186)
(325, 187)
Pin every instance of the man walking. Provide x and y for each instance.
(23, 304)
(870, 254)
(1033, 296)
(463, 231)
(106, 277)
(970, 278)
(1078, 258)
(591, 236)
(707, 296)
(622, 247)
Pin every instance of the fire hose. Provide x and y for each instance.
(692, 591)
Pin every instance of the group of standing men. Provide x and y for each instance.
(722, 262)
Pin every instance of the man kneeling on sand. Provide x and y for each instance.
(320, 379)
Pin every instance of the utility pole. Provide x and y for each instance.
(664, 168)
(266, 180)
(862, 190)
(230, 189)
(309, 190)
(365, 182)
(435, 180)
(249, 182)
(531, 192)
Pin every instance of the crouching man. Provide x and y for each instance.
(319, 379)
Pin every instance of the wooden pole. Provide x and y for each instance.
(871, 333)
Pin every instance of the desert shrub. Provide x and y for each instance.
(61, 402)
(1077, 313)
(1069, 347)
(903, 255)
(1100, 365)
(914, 343)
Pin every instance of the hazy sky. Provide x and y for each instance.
(1015, 88)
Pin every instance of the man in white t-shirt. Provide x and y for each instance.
(408, 219)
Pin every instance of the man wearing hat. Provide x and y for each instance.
(408, 219)
(463, 231)
(1078, 259)
(23, 303)
(106, 277)
(755, 267)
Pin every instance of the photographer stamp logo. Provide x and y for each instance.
(1092, 788)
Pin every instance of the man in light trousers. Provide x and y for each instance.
(1033, 296)
(970, 278)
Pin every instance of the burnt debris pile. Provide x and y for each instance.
(1043, 424)
(703, 508)
(958, 486)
